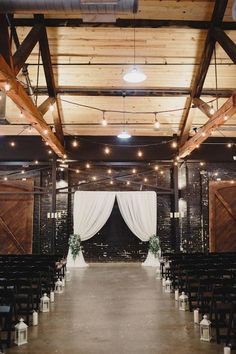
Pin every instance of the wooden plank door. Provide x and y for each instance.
(222, 216)
(16, 217)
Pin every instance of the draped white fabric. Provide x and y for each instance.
(91, 211)
(139, 210)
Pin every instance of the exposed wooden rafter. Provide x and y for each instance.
(218, 118)
(47, 65)
(26, 47)
(217, 17)
(203, 106)
(18, 94)
(226, 43)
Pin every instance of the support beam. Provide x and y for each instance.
(5, 45)
(51, 86)
(44, 107)
(217, 18)
(203, 106)
(18, 95)
(123, 23)
(218, 118)
(26, 47)
(226, 43)
(139, 92)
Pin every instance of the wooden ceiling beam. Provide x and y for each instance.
(5, 45)
(51, 86)
(18, 95)
(216, 20)
(203, 106)
(26, 47)
(123, 23)
(217, 119)
(45, 106)
(226, 43)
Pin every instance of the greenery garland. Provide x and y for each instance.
(75, 245)
(154, 245)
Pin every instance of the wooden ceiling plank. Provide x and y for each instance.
(226, 43)
(18, 95)
(203, 106)
(26, 47)
(217, 17)
(48, 70)
(218, 118)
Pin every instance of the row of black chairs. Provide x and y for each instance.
(23, 280)
(210, 283)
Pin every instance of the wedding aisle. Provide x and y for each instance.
(118, 309)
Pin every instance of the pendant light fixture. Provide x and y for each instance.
(134, 75)
(156, 124)
(124, 134)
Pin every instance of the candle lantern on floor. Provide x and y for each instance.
(44, 303)
(176, 294)
(63, 282)
(68, 275)
(183, 302)
(168, 286)
(35, 318)
(196, 316)
(58, 287)
(21, 333)
(227, 350)
(205, 329)
(52, 296)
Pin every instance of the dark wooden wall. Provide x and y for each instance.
(16, 217)
(222, 212)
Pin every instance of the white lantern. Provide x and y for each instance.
(196, 316)
(168, 286)
(21, 333)
(227, 350)
(158, 273)
(183, 302)
(35, 318)
(176, 294)
(68, 275)
(163, 281)
(63, 282)
(44, 303)
(52, 297)
(205, 329)
(58, 287)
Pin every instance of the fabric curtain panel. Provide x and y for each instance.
(139, 210)
(91, 211)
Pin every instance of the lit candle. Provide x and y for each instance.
(35, 318)
(196, 316)
(177, 295)
(51, 296)
(227, 350)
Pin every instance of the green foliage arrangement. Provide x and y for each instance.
(75, 245)
(154, 245)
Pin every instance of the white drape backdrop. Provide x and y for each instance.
(139, 210)
(92, 210)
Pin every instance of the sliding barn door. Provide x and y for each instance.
(222, 216)
(16, 217)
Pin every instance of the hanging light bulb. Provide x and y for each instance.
(77, 171)
(75, 143)
(134, 76)
(7, 87)
(5, 178)
(128, 183)
(124, 134)
(140, 154)
(229, 145)
(107, 150)
(104, 121)
(109, 171)
(134, 170)
(21, 114)
(174, 144)
(212, 111)
(87, 165)
(12, 143)
(36, 162)
(111, 182)
(156, 125)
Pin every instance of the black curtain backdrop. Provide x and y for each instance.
(115, 242)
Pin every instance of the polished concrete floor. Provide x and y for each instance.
(115, 309)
